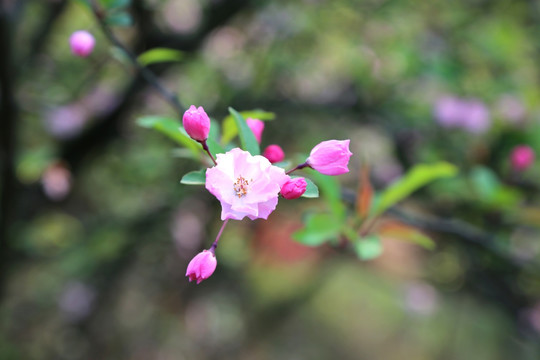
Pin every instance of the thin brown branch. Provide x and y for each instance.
(148, 75)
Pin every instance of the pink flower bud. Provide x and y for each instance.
(196, 123)
(202, 266)
(294, 188)
(257, 126)
(330, 157)
(274, 153)
(522, 157)
(81, 43)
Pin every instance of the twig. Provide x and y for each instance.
(148, 75)
(8, 118)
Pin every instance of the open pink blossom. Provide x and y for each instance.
(245, 185)
(202, 266)
(257, 127)
(330, 157)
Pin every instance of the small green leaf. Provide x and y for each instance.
(194, 178)
(319, 229)
(417, 177)
(368, 247)
(172, 129)
(119, 19)
(230, 130)
(283, 164)
(114, 4)
(159, 55)
(247, 139)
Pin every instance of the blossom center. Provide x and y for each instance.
(241, 186)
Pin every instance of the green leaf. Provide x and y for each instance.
(283, 164)
(368, 247)
(485, 182)
(159, 55)
(114, 4)
(331, 192)
(119, 19)
(399, 231)
(417, 177)
(312, 191)
(247, 139)
(319, 229)
(230, 130)
(194, 178)
(172, 129)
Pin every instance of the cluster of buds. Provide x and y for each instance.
(249, 186)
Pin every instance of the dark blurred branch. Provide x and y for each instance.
(107, 127)
(8, 118)
(148, 75)
(43, 30)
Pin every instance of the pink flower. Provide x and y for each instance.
(294, 188)
(330, 157)
(476, 118)
(196, 123)
(522, 157)
(257, 127)
(274, 153)
(202, 266)
(245, 185)
(448, 111)
(81, 43)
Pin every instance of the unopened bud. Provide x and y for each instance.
(274, 153)
(294, 188)
(196, 123)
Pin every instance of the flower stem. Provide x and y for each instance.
(298, 167)
(214, 244)
(205, 147)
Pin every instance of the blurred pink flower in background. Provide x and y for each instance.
(476, 118)
(448, 111)
(245, 185)
(67, 121)
(56, 181)
(469, 114)
(421, 298)
(522, 157)
(257, 127)
(81, 43)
